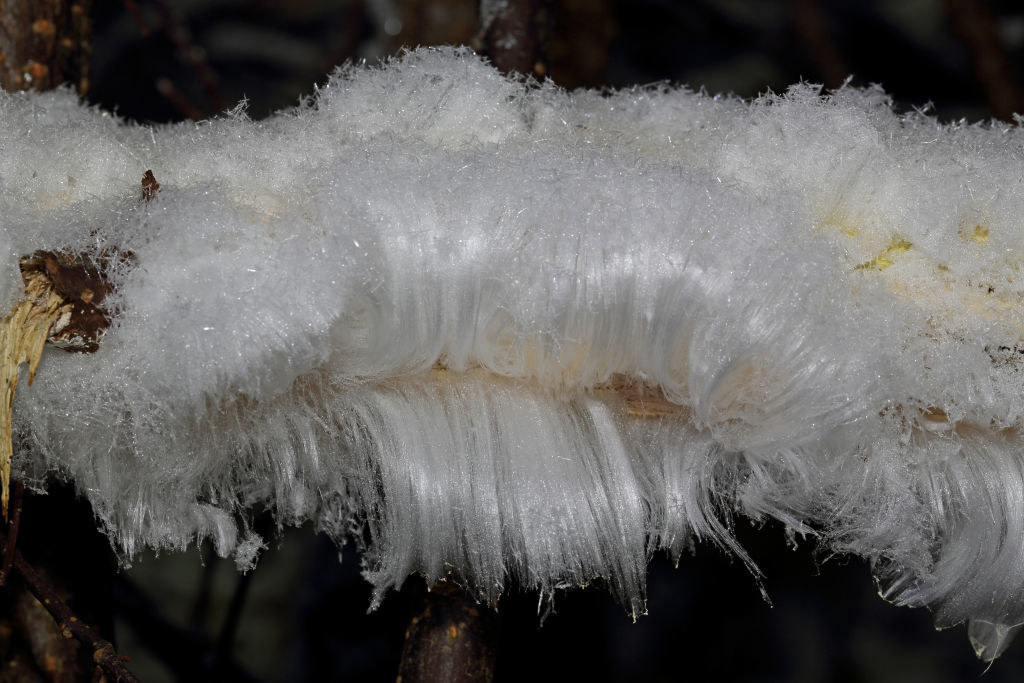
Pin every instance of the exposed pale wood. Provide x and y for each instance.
(21, 341)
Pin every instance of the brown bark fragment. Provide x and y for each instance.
(149, 186)
(82, 285)
(64, 293)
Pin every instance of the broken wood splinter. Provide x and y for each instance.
(62, 305)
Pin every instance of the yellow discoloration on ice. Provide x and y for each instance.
(887, 257)
(978, 234)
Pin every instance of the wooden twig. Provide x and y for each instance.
(346, 45)
(812, 28)
(201, 606)
(44, 43)
(451, 638)
(52, 653)
(515, 37)
(184, 651)
(976, 25)
(226, 638)
(103, 652)
(165, 87)
(263, 524)
(192, 54)
(12, 533)
(140, 20)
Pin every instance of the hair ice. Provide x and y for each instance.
(534, 336)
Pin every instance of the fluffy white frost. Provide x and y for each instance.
(410, 309)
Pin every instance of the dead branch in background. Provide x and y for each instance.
(12, 533)
(194, 55)
(188, 52)
(812, 28)
(165, 87)
(70, 625)
(185, 652)
(975, 24)
(515, 34)
(451, 638)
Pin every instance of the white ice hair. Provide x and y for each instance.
(413, 309)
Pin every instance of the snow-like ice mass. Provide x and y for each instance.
(532, 336)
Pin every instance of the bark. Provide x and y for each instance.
(44, 43)
(451, 638)
(812, 29)
(977, 27)
(515, 38)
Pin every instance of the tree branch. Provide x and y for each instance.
(44, 43)
(185, 651)
(977, 27)
(450, 639)
(514, 35)
(12, 533)
(68, 622)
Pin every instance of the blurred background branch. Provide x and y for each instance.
(960, 55)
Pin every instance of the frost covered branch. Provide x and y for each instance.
(348, 315)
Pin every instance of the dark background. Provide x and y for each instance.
(303, 617)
